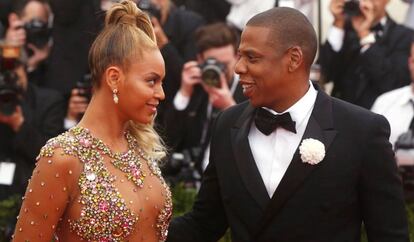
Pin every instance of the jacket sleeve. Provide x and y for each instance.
(380, 188)
(207, 221)
(385, 69)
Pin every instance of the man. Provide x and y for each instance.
(174, 29)
(261, 185)
(29, 28)
(196, 103)
(365, 53)
(25, 126)
(75, 26)
(397, 105)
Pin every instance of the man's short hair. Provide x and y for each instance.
(215, 36)
(289, 27)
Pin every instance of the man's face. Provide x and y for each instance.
(379, 9)
(225, 55)
(35, 10)
(262, 66)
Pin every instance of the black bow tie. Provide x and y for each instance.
(267, 122)
(377, 27)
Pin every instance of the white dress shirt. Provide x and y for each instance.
(274, 153)
(396, 107)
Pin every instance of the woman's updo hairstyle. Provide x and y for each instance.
(127, 33)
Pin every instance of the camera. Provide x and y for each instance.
(351, 8)
(85, 86)
(150, 8)
(404, 154)
(211, 70)
(180, 168)
(10, 91)
(38, 32)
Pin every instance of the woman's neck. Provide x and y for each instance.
(104, 123)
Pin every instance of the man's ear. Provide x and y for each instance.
(295, 58)
(114, 77)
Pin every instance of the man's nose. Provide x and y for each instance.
(240, 67)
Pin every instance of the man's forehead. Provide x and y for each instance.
(254, 37)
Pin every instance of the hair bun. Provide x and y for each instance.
(127, 12)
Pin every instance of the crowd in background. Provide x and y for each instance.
(367, 55)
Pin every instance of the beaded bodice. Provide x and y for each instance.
(105, 215)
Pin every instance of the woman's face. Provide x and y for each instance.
(141, 91)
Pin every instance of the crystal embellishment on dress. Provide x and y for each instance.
(104, 215)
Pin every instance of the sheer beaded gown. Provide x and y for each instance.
(113, 196)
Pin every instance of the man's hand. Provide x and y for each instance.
(362, 23)
(220, 98)
(190, 76)
(160, 35)
(15, 120)
(39, 55)
(77, 105)
(337, 10)
(15, 34)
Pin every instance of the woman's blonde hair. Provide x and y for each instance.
(128, 32)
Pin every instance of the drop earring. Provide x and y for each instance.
(115, 96)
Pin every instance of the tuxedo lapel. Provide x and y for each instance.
(320, 127)
(244, 158)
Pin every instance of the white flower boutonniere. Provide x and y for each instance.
(312, 151)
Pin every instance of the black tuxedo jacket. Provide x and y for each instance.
(356, 182)
(76, 24)
(360, 78)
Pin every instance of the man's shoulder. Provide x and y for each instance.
(236, 110)
(389, 100)
(400, 32)
(46, 95)
(46, 101)
(353, 115)
(394, 94)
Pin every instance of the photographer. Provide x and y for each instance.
(398, 107)
(29, 116)
(29, 28)
(207, 86)
(366, 52)
(78, 101)
(174, 29)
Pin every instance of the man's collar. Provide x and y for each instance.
(300, 109)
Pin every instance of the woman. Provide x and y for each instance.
(99, 181)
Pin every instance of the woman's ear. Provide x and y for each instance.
(295, 58)
(114, 77)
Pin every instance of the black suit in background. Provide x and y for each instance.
(213, 10)
(356, 181)
(43, 111)
(184, 128)
(76, 24)
(361, 78)
(179, 28)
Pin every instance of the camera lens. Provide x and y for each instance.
(211, 77)
(211, 70)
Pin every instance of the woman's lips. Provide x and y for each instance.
(153, 107)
